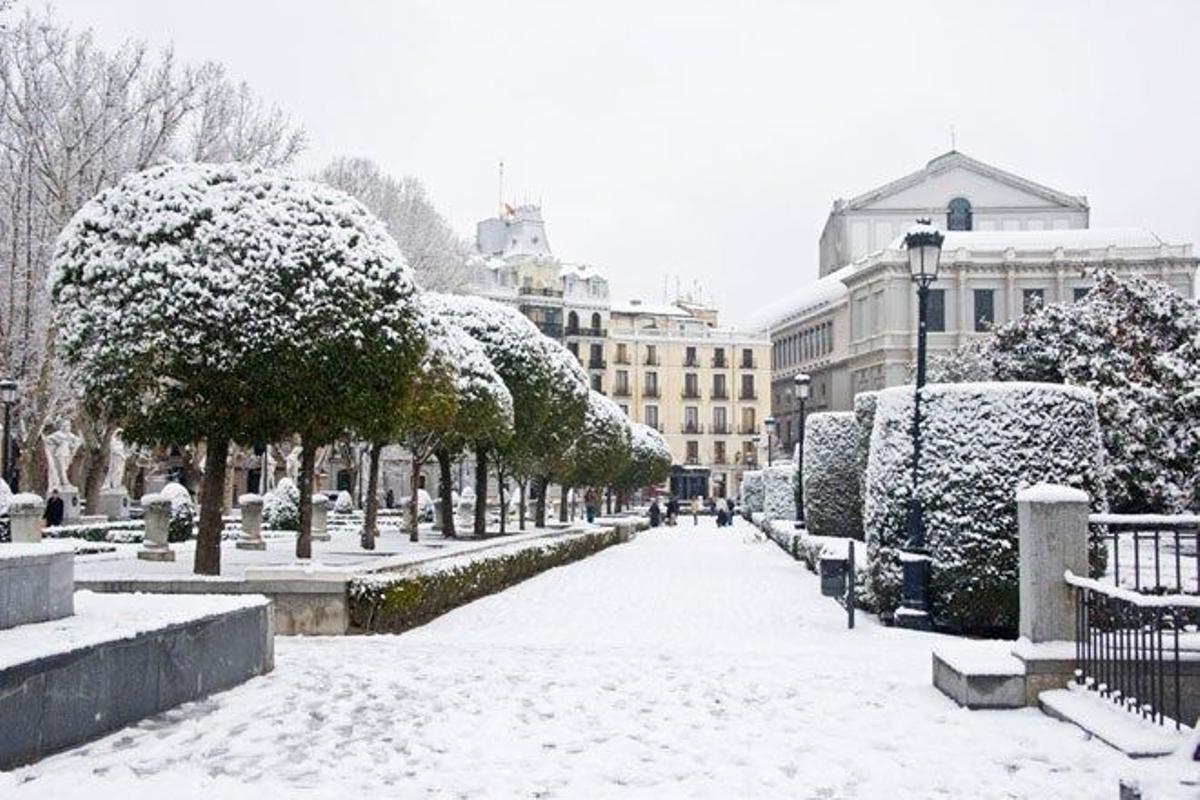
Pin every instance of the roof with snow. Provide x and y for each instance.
(651, 309)
(1074, 239)
(824, 291)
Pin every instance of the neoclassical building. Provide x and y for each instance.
(1010, 243)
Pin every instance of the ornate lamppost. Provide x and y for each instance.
(803, 382)
(924, 245)
(8, 396)
(769, 426)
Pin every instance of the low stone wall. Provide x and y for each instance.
(97, 685)
(36, 583)
(384, 603)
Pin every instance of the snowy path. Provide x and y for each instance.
(688, 663)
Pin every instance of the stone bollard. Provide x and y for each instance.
(157, 517)
(320, 513)
(251, 506)
(114, 504)
(25, 517)
(1053, 526)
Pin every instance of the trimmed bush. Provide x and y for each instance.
(385, 603)
(281, 507)
(864, 415)
(779, 491)
(183, 512)
(752, 492)
(832, 501)
(980, 444)
(344, 503)
(129, 530)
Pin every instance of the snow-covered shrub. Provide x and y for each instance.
(980, 444)
(779, 491)
(864, 415)
(832, 501)
(183, 512)
(344, 503)
(752, 492)
(281, 507)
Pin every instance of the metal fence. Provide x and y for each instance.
(1150, 553)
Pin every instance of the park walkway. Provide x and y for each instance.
(691, 662)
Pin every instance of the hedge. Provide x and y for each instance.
(980, 444)
(779, 491)
(385, 603)
(752, 492)
(832, 500)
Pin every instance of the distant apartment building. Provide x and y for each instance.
(1010, 244)
(706, 388)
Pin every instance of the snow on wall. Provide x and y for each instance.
(779, 491)
(832, 501)
(980, 444)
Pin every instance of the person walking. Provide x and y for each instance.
(589, 505)
(53, 515)
(695, 511)
(672, 511)
(655, 513)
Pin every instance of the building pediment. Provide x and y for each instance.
(955, 174)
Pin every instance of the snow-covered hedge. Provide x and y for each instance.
(779, 491)
(832, 501)
(752, 492)
(344, 503)
(390, 603)
(864, 415)
(281, 507)
(980, 444)
(183, 512)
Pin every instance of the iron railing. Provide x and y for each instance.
(1150, 553)
(1130, 647)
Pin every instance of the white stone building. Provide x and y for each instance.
(1009, 243)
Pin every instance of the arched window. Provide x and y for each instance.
(572, 322)
(595, 324)
(958, 217)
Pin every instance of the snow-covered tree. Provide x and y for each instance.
(436, 254)
(549, 390)
(229, 303)
(649, 460)
(602, 448)
(1136, 344)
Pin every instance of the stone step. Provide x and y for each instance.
(1132, 735)
(980, 674)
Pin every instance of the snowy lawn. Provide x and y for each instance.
(691, 662)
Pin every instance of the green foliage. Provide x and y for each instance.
(393, 604)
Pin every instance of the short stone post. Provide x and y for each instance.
(320, 514)
(157, 517)
(114, 503)
(25, 517)
(1053, 525)
(251, 506)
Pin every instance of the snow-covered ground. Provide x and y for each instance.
(691, 662)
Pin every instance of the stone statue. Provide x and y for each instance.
(292, 463)
(117, 455)
(61, 447)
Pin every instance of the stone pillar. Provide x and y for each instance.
(320, 512)
(252, 516)
(1052, 522)
(25, 517)
(71, 509)
(157, 517)
(114, 503)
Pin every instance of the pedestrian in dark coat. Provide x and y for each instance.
(54, 510)
(655, 514)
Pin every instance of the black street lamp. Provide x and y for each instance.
(8, 396)
(924, 245)
(769, 426)
(803, 386)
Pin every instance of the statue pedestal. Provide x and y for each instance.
(71, 508)
(114, 504)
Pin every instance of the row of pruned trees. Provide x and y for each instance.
(232, 304)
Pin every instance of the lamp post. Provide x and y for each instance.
(924, 245)
(769, 426)
(803, 383)
(8, 396)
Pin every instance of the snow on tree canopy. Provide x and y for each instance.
(603, 444)
(647, 443)
(779, 491)
(980, 444)
(752, 491)
(832, 501)
(191, 269)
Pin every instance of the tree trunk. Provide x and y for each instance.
(371, 514)
(95, 465)
(565, 498)
(608, 501)
(308, 461)
(208, 540)
(540, 507)
(414, 511)
(480, 492)
(446, 490)
(521, 505)
(500, 481)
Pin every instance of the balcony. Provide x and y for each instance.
(719, 363)
(597, 333)
(532, 291)
(749, 430)
(622, 360)
(718, 458)
(719, 394)
(692, 362)
(621, 391)
(552, 329)
(749, 363)
(652, 361)
(691, 394)
(650, 391)
(721, 429)
(748, 394)
(597, 363)
(691, 427)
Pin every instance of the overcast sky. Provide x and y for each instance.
(708, 140)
